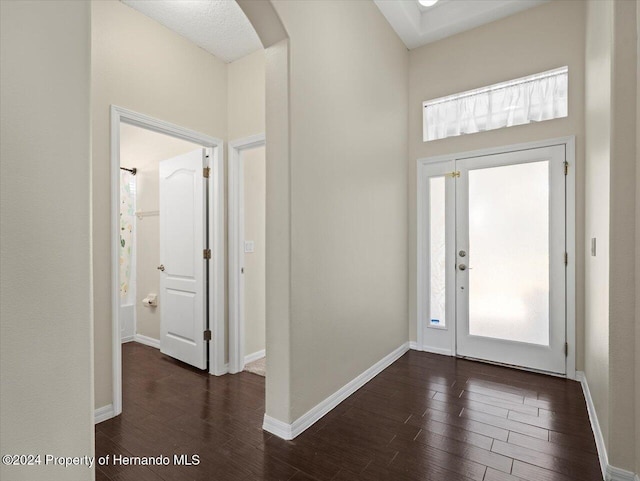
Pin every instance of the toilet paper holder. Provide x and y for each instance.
(151, 300)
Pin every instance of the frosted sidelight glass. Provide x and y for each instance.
(437, 315)
(509, 252)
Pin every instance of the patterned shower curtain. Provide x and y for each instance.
(127, 217)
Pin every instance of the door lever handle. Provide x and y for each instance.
(160, 267)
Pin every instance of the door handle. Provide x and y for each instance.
(160, 267)
(462, 267)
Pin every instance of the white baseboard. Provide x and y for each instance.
(221, 371)
(297, 427)
(617, 474)
(609, 472)
(128, 339)
(433, 350)
(147, 341)
(277, 428)
(103, 413)
(254, 357)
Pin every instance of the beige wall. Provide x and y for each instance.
(539, 39)
(637, 373)
(255, 183)
(46, 362)
(622, 238)
(597, 160)
(140, 65)
(611, 214)
(144, 149)
(246, 92)
(348, 140)
(278, 203)
(246, 117)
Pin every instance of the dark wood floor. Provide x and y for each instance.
(426, 417)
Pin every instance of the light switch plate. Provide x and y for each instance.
(249, 247)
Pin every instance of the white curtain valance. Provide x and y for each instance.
(529, 99)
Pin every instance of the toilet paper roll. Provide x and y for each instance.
(150, 301)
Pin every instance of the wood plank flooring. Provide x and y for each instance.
(426, 417)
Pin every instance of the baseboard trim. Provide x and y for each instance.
(103, 413)
(277, 428)
(618, 474)
(147, 341)
(254, 356)
(126, 339)
(297, 427)
(433, 350)
(609, 472)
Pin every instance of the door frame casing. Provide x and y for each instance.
(215, 201)
(422, 231)
(236, 250)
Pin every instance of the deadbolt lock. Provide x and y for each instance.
(160, 267)
(462, 253)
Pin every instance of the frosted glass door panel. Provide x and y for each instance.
(437, 251)
(509, 252)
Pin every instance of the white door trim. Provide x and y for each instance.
(569, 143)
(216, 237)
(236, 252)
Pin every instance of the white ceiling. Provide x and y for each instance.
(417, 25)
(218, 26)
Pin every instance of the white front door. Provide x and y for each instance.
(510, 265)
(183, 236)
(494, 247)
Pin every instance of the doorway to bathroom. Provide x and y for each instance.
(167, 233)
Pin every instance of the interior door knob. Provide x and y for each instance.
(462, 267)
(160, 267)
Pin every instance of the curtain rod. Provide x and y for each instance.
(133, 170)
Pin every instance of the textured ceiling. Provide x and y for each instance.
(417, 25)
(218, 26)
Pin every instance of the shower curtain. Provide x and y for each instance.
(127, 217)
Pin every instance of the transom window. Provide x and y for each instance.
(534, 98)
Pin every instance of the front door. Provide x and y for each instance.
(496, 255)
(183, 232)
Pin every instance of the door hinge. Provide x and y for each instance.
(566, 258)
(566, 349)
(566, 168)
(207, 335)
(206, 171)
(454, 174)
(206, 253)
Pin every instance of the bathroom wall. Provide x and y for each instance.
(144, 149)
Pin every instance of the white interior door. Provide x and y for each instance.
(183, 236)
(510, 258)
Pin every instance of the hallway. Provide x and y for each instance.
(426, 417)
